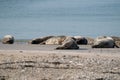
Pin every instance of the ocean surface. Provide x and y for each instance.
(27, 19)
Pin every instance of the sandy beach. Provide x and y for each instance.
(43, 62)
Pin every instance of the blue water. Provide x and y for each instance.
(26, 19)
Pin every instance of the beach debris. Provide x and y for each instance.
(68, 43)
(100, 79)
(4, 77)
(21, 51)
(8, 39)
(104, 42)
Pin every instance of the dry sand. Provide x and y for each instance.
(42, 62)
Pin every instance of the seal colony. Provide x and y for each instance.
(67, 42)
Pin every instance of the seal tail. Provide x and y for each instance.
(116, 45)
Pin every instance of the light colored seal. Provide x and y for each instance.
(8, 39)
(104, 42)
(68, 43)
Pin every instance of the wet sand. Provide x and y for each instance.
(43, 62)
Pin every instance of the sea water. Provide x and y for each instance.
(27, 19)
